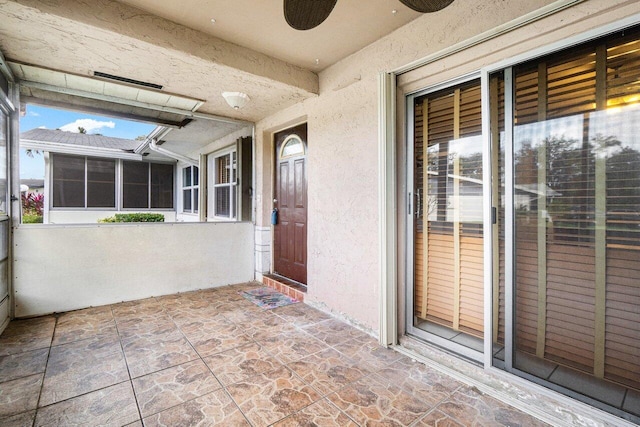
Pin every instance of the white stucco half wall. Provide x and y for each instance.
(62, 268)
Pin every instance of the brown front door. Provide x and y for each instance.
(290, 232)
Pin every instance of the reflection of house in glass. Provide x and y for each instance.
(526, 196)
(455, 181)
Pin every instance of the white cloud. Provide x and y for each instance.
(42, 127)
(90, 125)
(34, 114)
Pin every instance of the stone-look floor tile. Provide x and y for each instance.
(210, 338)
(437, 419)
(368, 352)
(112, 406)
(151, 353)
(247, 286)
(210, 325)
(244, 312)
(136, 327)
(241, 363)
(82, 324)
(82, 366)
(20, 395)
(145, 307)
(293, 346)
(135, 424)
(266, 326)
(26, 335)
(19, 420)
(215, 408)
(469, 407)
(224, 293)
(321, 414)
(180, 298)
(371, 403)
(328, 371)
(183, 315)
(334, 331)
(272, 396)
(301, 314)
(22, 364)
(169, 387)
(191, 300)
(419, 380)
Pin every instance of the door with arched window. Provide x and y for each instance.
(290, 200)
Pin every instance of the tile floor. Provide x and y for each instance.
(212, 357)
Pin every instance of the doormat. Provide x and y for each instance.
(268, 298)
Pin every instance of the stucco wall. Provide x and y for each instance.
(343, 246)
(60, 268)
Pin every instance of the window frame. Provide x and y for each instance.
(232, 152)
(149, 187)
(195, 185)
(118, 185)
(85, 184)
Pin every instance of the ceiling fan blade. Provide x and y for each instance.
(426, 6)
(307, 14)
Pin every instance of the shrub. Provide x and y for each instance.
(32, 206)
(32, 203)
(134, 217)
(31, 219)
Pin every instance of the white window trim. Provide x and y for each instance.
(86, 172)
(119, 189)
(233, 185)
(194, 186)
(148, 208)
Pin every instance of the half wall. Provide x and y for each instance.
(62, 268)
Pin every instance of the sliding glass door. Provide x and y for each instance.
(446, 224)
(567, 279)
(563, 135)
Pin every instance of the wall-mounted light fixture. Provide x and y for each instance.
(235, 99)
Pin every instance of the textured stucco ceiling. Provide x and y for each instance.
(79, 37)
(260, 25)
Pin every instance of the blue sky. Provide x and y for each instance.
(50, 118)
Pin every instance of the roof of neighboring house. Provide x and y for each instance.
(83, 139)
(33, 183)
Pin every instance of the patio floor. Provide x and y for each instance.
(212, 357)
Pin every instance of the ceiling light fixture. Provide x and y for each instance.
(213, 20)
(236, 100)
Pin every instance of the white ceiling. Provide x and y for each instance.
(260, 25)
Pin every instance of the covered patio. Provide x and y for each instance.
(212, 357)
(454, 194)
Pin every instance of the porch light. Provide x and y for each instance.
(235, 99)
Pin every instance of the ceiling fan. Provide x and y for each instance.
(308, 14)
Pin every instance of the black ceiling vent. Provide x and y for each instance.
(127, 80)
